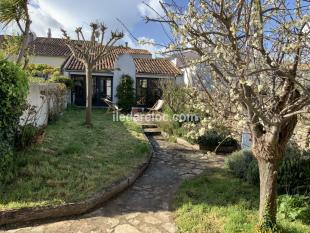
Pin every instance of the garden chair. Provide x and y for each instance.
(157, 106)
(112, 107)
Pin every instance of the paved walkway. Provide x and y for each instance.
(143, 208)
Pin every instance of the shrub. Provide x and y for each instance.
(62, 79)
(26, 135)
(293, 175)
(295, 207)
(13, 93)
(41, 70)
(126, 93)
(213, 139)
(239, 162)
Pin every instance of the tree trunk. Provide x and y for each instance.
(89, 94)
(268, 190)
(24, 44)
(268, 147)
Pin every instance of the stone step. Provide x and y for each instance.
(148, 126)
(152, 131)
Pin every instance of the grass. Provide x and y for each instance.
(215, 202)
(74, 161)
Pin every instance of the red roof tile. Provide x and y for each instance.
(106, 63)
(158, 66)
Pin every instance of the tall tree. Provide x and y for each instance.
(89, 52)
(17, 11)
(256, 51)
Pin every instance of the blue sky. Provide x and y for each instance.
(69, 14)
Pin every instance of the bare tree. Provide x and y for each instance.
(17, 11)
(89, 53)
(256, 50)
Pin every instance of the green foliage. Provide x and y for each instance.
(62, 79)
(11, 10)
(42, 70)
(26, 135)
(213, 138)
(10, 45)
(293, 174)
(239, 161)
(126, 93)
(175, 96)
(216, 202)
(294, 208)
(13, 93)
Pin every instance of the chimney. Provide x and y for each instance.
(126, 44)
(49, 33)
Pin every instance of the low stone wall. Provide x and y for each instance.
(44, 101)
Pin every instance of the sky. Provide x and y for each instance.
(69, 14)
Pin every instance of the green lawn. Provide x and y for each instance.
(215, 202)
(74, 161)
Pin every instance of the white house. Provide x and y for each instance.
(145, 71)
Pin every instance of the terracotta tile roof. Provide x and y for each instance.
(158, 66)
(54, 47)
(107, 63)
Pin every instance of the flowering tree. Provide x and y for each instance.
(89, 52)
(256, 50)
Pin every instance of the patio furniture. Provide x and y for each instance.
(111, 107)
(157, 106)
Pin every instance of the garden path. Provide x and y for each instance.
(144, 207)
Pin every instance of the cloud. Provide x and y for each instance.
(69, 14)
(152, 47)
(72, 13)
(42, 20)
(151, 8)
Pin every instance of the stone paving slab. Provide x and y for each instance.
(143, 208)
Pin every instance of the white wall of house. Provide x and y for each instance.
(52, 61)
(124, 65)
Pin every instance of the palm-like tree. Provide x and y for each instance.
(16, 11)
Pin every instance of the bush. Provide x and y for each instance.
(13, 93)
(41, 70)
(26, 135)
(68, 82)
(293, 175)
(213, 139)
(239, 162)
(295, 207)
(126, 93)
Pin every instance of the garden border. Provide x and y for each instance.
(72, 209)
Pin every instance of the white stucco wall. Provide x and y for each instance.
(124, 65)
(52, 61)
(40, 104)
